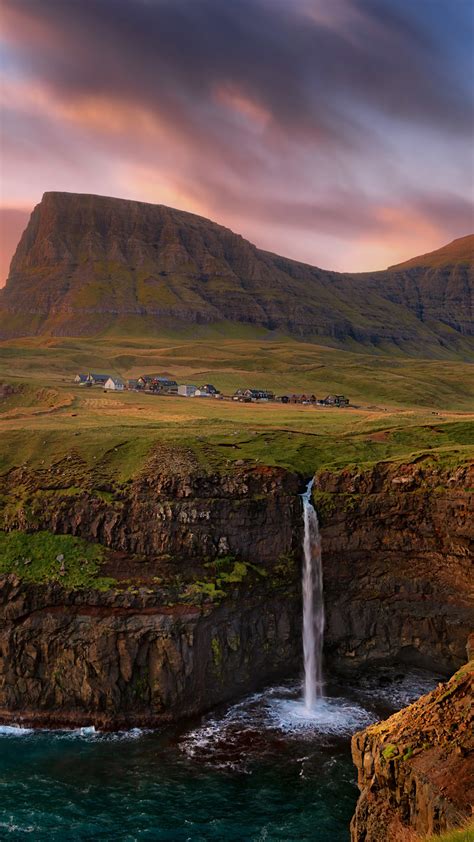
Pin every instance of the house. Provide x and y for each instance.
(335, 400)
(164, 384)
(114, 384)
(294, 398)
(81, 379)
(145, 381)
(246, 395)
(157, 383)
(187, 390)
(97, 379)
(132, 384)
(209, 389)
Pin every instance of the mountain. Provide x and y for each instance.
(91, 265)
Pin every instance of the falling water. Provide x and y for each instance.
(313, 604)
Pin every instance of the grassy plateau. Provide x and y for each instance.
(399, 406)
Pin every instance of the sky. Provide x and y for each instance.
(337, 132)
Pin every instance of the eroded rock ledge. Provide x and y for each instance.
(416, 769)
(117, 660)
(398, 544)
(397, 549)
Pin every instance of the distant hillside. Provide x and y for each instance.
(91, 265)
(455, 253)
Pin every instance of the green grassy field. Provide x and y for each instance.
(399, 406)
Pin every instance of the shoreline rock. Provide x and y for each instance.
(416, 769)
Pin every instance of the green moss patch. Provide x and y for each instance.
(45, 557)
(224, 574)
(389, 752)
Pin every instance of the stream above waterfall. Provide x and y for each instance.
(257, 770)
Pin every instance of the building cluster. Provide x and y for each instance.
(160, 384)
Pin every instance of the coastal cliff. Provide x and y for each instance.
(121, 659)
(398, 543)
(196, 602)
(416, 770)
(196, 595)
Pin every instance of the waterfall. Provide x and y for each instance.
(313, 604)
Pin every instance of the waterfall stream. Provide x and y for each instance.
(313, 604)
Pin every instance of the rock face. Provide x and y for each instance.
(122, 660)
(141, 652)
(398, 546)
(174, 510)
(416, 769)
(86, 264)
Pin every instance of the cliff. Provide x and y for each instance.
(195, 602)
(185, 590)
(136, 656)
(86, 265)
(398, 545)
(416, 770)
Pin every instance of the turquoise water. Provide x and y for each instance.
(259, 770)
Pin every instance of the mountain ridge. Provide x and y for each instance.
(86, 264)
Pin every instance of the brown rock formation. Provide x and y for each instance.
(86, 264)
(416, 769)
(398, 546)
(396, 549)
(116, 660)
(173, 508)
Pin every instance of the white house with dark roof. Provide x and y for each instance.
(187, 390)
(114, 384)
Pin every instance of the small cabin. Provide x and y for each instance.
(98, 379)
(81, 379)
(335, 400)
(114, 384)
(253, 395)
(208, 389)
(157, 383)
(187, 390)
(164, 384)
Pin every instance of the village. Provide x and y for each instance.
(156, 384)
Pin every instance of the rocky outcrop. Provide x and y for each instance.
(398, 546)
(176, 509)
(86, 264)
(416, 769)
(168, 638)
(122, 659)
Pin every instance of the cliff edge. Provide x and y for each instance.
(416, 769)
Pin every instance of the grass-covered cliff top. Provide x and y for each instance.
(399, 406)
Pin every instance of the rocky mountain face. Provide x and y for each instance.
(398, 546)
(86, 265)
(129, 659)
(415, 769)
(167, 640)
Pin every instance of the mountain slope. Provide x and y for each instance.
(460, 251)
(86, 265)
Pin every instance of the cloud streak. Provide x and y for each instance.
(318, 118)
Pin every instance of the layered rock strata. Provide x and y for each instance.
(87, 263)
(398, 546)
(416, 769)
(117, 660)
(397, 552)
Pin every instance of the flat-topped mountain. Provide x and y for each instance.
(89, 265)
